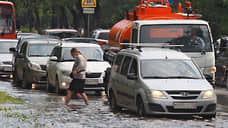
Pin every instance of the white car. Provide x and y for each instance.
(61, 62)
(6, 57)
(101, 36)
(160, 81)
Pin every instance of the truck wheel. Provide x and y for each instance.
(140, 107)
(112, 102)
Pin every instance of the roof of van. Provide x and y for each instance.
(156, 53)
(172, 22)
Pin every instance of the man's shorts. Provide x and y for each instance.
(77, 85)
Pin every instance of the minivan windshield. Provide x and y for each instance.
(169, 69)
(37, 50)
(194, 38)
(91, 53)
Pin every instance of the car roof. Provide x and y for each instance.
(9, 40)
(43, 41)
(156, 53)
(79, 44)
(60, 30)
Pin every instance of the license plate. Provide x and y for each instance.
(7, 69)
(185, 105)
(91, 82)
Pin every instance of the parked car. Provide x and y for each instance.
(62, 33)
(222, 62)
(23, 34)
(101, 36)
(80, 39)
(31, 62)
(61, 63)
(160, 81)
(6, 57)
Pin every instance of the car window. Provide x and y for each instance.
(37, 50)
(117, 63)
(6, 45)
(134, 67)
(125, 65)
(103, 36)
(23, 49)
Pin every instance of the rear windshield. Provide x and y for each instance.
(103, 36)
(4, 47)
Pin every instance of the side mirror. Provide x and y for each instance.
(53, 58)
(12, 50)
(132, 76)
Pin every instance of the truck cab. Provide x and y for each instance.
(194, 36)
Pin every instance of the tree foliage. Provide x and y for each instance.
(42, 14)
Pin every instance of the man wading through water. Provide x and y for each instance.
(78, 76)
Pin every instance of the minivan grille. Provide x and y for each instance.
(93, 75)
(43, 67)
(184, 95)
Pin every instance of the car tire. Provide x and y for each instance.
(112, 101)
(140, 107)
(57, 89)
(106, 80)
(49, 87)
(25, 83)
(227, 82)
(16, 81)
(209, 116)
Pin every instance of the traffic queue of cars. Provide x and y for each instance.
(158, 81)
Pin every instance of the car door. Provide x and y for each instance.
(20, 61)
(222, 67)
(123, 82)
(115, 76)
(52, 64)
(132, 84)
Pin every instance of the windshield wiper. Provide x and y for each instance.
(93, 60)
(183, 77)
(170, 77)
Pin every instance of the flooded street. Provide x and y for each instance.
(43, 110)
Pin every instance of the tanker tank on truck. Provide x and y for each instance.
(153, 22)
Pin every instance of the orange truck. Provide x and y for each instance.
(153, 22)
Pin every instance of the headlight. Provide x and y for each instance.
(157, 94)
(208, 94)
(34, 66)
(213, 70)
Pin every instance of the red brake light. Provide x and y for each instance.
(101, 42)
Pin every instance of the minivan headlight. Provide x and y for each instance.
(34, 66)
(158, 94)
(208, 94)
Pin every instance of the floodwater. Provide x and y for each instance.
(43, 110)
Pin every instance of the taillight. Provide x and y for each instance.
(101, 42)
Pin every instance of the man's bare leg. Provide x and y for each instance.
(69, 95)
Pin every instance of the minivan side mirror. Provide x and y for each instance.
(132, 76)
(53, 58)
(12, 50)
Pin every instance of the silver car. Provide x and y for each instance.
(6, 57)
(31, 62)
(160, 81)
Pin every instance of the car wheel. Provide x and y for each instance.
(57, 89)
(106, 80)
(209, 116)
(25, 83)
(140, 107)
(16, 81)
(49, 87)
(227, 82)
(112, 101)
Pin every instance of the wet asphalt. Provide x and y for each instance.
(47, 110)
